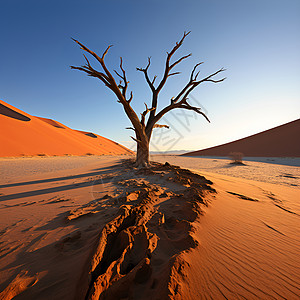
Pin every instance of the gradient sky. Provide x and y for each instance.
(257, 41)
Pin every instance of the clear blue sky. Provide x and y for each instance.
(257, 41)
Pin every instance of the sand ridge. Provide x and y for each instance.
(139, 249)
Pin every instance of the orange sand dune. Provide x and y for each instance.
(22, 134)
(281, 141)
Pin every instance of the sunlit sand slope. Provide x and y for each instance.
(250, 243)
(22, 134)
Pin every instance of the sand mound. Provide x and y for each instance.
(139, 253)
(128, 243)
(281, 141)
(25, 135)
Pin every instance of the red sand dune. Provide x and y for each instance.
(280, 141)
(22, 134)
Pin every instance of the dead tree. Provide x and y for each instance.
(143, 127)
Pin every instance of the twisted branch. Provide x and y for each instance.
(169, 67)
(144, 113)
(123, 78)
(161, 126)
(145, 71)
(180, 101)
(109, 81)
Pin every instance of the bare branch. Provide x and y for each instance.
(118, 74)
(161, 126)
(153, 79)
(168, 67)
(91, 71)
(194, 108)
(123, 77)
(86, 49)
(216, 81)
(145, 113)
(105, 52)
(110, 82)
(136, 140)
(145, 71)
(166, 75)
(179, 60)
(147, 110)
(174, 73)
(213, 74)
(131, 96)
(121, 66)
(193, 83)
(180, 101)
(87, 61)
(193, 78)
(94, 73)
(100, 59)
(130, 128)
(178, 44)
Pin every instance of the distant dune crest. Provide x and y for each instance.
(41, 136)
(90, 134)
(52, 122)
(280, 141)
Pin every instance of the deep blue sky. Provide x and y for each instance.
(257, 42)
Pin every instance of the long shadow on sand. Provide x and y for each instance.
(97, 172)
(44, 191)
(100, 171)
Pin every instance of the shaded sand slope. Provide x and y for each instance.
(281, 141)
(22, 134)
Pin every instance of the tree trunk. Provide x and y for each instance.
(142, 154)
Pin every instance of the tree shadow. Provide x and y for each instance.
(72, 186)
(97, 171)
(232, 165)
(45, 260)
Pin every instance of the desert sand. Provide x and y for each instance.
(25, 135)
(93, 227)
(282, 171)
